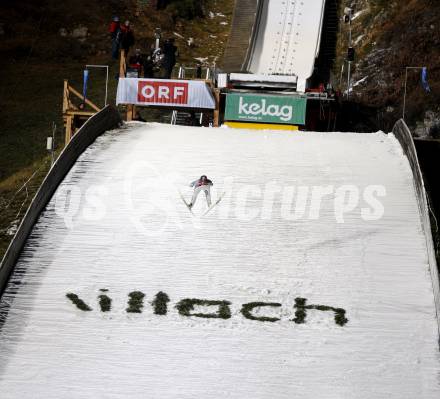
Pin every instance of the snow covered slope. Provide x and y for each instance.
(117, 230)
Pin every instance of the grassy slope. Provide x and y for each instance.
(35, 60)
(393, 35)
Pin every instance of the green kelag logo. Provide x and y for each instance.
(266, 109)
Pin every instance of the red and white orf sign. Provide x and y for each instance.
(163, 92)
(166, 93)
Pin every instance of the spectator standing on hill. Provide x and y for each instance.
(136, 62)
(115, 35)
(170, 54)
(148, 66)
(198, 70)
(127, 37)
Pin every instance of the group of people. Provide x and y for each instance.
(158, 62)
(122, 37)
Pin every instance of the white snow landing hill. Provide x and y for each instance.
(308, 280)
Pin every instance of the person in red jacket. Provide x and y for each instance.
(202, 184)
(127, 37)
(115, 35)
(136, 62)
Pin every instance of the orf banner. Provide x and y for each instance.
(167, 93)
(266, 109)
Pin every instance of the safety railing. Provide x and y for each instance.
(403, 134)
(106, 119)
(182, 73)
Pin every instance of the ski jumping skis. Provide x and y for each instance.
(186, 203)
(208, 210)
(214, 204)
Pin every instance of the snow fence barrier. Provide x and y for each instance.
(403, 134)
(108, 118)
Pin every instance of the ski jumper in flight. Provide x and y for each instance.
(202, 184)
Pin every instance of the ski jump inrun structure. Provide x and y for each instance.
(314, 277)
(288, 39)
(276, 38)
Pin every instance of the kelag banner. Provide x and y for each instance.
(167, 93)
(266, 109)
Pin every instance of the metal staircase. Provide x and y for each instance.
(184, 118)
(327, 54)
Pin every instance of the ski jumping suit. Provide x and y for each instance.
(201, 186)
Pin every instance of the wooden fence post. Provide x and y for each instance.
(217, 108)
(65, 97)
(69, 123)
(122, 65)
(130, 112)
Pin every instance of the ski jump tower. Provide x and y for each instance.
(273, 46)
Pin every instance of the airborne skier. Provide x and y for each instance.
(202, 184)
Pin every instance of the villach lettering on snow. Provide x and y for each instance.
(210, 309)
